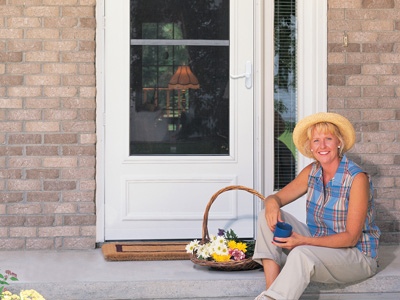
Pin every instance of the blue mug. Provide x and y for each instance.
(282, 230)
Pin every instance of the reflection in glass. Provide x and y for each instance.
(285, 97)
(167, 119)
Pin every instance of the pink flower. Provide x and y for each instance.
(237, 254)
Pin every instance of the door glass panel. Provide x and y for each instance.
(285, 98)
(179, 77)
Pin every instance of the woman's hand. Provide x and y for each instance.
(290, 242)
(272, 211)
(292, 191)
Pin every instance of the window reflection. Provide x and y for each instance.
(285, 89)
(166, 35)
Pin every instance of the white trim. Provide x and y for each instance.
(312, 60)
(311, 73)
(268, 97)
(100, 120)
(259, 103)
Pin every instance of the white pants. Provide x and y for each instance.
(308, 263)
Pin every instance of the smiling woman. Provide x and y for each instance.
(339, 242)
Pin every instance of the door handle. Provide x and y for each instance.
(247, 75)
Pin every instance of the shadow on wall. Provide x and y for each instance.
(385, 197)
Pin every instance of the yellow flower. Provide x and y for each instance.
(31, 295)
(221, 258)
(6, 295)
(24, 295)
(240, 246)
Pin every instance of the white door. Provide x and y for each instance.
(156, 186)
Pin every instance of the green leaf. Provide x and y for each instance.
(231, 235)
(13, 278)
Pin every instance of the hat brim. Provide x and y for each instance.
(344, 125)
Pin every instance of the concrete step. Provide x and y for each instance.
(80, 275)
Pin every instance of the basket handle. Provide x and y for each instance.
(205, 235)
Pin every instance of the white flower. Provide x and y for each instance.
(203, 251)
(219, 246)
(192, 246)
(212, 238)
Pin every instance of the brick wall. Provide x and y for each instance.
(47, 116)
(47, 124)
(363, 85)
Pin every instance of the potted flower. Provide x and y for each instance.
(23, 295)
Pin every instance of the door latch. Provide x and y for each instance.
(247, 75)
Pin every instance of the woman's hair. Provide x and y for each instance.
(324, 127)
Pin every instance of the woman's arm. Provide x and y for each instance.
(292, 191)
(356, 215)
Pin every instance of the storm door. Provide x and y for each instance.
(179, 117)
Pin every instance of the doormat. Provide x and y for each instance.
(124, 251)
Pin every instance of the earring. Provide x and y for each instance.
(311, 150)
(338, 146)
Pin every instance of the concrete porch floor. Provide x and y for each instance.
(76, 274)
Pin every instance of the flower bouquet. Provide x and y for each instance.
(225, 251)
(23, 295)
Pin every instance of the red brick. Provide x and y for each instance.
(60, 208)
(78, 174)
(368, 4)
(80, 11)
(21, 22)
(41, 11)
(42, 174)
(24, 115)
(23, 185)
(10, 174)
(24, 139)
(39, 244)
(63, 22)
(58, 231)
(59, 185)
(10, 103)
(42, 196)
(79, 220)
(79, 150)
(23, 45)
(60, 162)
(9, 80)
(9, 221)
(22, 232)
(9, 197)
(63, 138)
(12, 243)
(42, 103)
(78, 196)
(79, 243)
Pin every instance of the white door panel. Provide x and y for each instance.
(164, 197)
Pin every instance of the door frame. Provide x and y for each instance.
(312, 92)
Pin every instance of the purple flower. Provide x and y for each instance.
(221, 232)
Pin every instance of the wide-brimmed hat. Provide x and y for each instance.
(345, 127)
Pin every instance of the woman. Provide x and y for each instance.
(339, 243)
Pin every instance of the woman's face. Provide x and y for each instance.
(324, 146)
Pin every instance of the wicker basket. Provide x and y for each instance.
(232, 265)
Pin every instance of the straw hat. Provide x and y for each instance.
(344, 125)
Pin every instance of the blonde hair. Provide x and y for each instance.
(324, 127)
